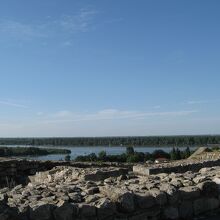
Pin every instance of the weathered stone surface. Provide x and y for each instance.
(186, 210)
(43, 212)
(9, 214)
(172, 193)
(212, 203)
(141, 216)
(145, 201)
(200, 179)
(160, 196)
(203, 205)
(208, 188)
(105, 209)
(93, 190)
(65, 212)
(189, 193)
(141, 170)
(171, 213)
(181, 166)
(14, 171)
(66, 194)
(86, 210)
(112, 192)
(177, 182)
(102, 175)
(126, 202)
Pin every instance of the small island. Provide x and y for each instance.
(30, 151)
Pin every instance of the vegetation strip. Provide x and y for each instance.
(187, 140)
(30, 151)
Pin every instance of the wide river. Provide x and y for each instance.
(114, 150)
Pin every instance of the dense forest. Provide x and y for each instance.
(116, 141)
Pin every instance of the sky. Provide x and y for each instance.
(71, 68)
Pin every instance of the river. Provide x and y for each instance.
(77, 151)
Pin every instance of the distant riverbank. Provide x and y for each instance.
(177, 141)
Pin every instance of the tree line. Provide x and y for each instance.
(131, 156)
(201, 140)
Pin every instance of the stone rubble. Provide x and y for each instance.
(69, 193)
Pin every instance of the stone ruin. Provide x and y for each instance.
(113, 193)
(14, 171)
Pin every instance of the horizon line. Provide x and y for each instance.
(129, 136)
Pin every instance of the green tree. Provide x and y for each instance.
(129, 150)
(173, 155)
(67, 157)
(178, 154)
(187, 152)
(102, 155)
(92, 157)
(132, 158)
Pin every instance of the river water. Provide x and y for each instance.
(77, 151)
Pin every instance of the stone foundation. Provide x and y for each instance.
(175, 167)
(112, 193)
(16, 171)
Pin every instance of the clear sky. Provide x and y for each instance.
(109, 67)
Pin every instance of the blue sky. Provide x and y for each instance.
(109, 68)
